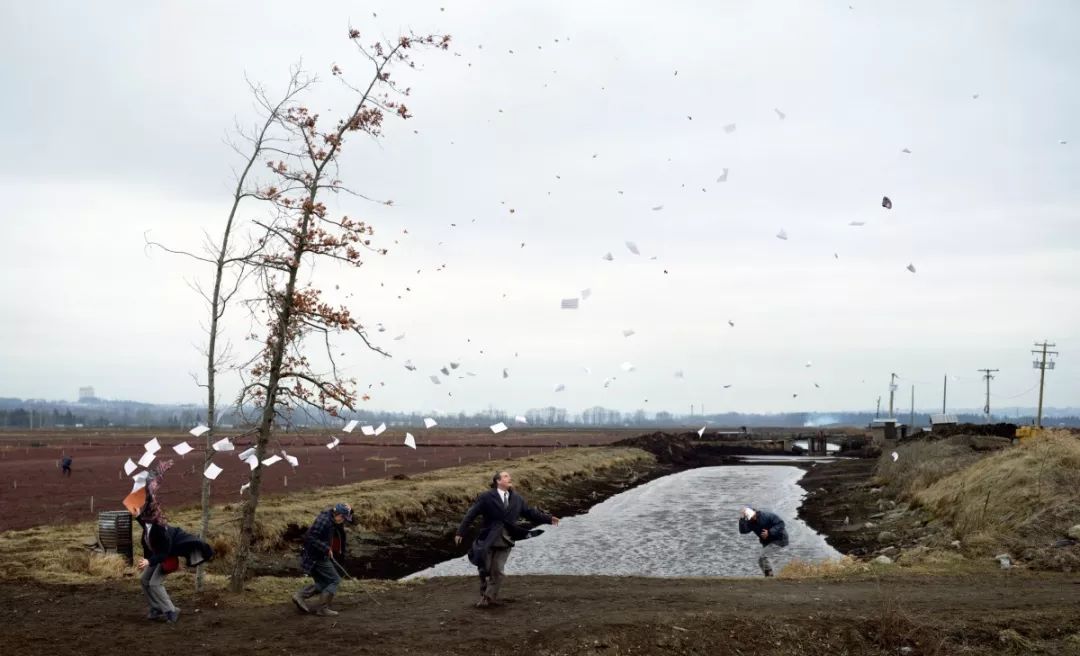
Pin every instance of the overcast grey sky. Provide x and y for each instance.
(114, 115)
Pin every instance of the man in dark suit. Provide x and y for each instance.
(501, 509)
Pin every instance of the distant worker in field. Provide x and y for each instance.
(65, 466)
(501, 509)
(324, 550)
(769, 529)
(163, 547)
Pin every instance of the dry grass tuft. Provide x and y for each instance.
(834, 568)
(922, 464)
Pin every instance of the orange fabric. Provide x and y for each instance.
(135, 501)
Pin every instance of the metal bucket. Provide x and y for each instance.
(114, 533)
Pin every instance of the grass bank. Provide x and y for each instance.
(385, 506)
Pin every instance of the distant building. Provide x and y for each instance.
(86, 395)
(940, 420)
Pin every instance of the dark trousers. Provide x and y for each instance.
(493, 573)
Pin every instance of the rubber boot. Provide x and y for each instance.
(324, 610)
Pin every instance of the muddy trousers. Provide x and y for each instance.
(771, 550)
(153, 585)
(326, 580)
(493, 573)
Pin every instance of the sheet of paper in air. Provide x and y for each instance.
(367, 430)
(609, 257)
(271, 461)
(139, 480)
(521, 420)
(607, 382)
(701, 431)
(434, 379)
(399, 337)
(333, 443)
(351, 426)
(129, 467)
(779, 113)
(629, 332)
(657, 208)
(247, 452)
(183, 449)
(409, 365)
(410, 441)
(809, 363)
(731, 323)
(723, 176)
(560, 387)
(911, 268)
(199, 430)
(895, 456)
(632, 247)
(729, 128)
(498, 428)
(857, 223)
(380, 430)
(292, 460)
(506, 373)
(146, 459)
(445, 371)
(252, 462)
(212, 471)
(153, 446)
(626, 366)
(244, 487)
(886, 202)
(569, 304)
(587, 370)
(679, 374)
(455, 365)
(430, 423)
(782, 234)
(223, 445)
(585, 294)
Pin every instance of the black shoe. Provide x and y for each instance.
(155, 614)
(483, 603)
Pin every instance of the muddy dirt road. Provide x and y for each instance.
(563, 615)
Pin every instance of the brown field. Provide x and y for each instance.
(33, 492)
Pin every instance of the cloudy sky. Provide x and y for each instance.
(115, 114)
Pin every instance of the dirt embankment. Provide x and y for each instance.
(564, 616)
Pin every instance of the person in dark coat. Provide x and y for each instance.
(163, 547)
(65, 465)
(324, 543)
(769, 529)
(501, 509)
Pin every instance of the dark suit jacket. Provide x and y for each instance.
(497, 517)
(159, 542)
(764, 519)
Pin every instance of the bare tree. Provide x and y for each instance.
(230, 267)
(302, 232)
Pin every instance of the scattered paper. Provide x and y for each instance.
(731, 323)
(857, 223)
(626, 366)
(435, 379)
(628, 332)
(809, 363)
(333, 443)
(886, 203)
(129, 467)
(410, 441)
(655, 209)
(895, 456)
(399, 337)
(679, 374)
(723, 176)
(212, 471)
(607, 382)
(779, 113)
(521, 420)
(153, 446)
(609, 257)
(271, 461)
(906, 151)
(506, 373)
(247, 453)
(560, 387)
(430, 423)
(146, 459)
(252, 462)
(409, 365)
(199, 430)
(911, 268)
(701, 431)
(183, 449)
(139, 480)
(445, 371)
(729, 128)
(292, 460)
(244, 487)
(782, 234)
(351, 426)
(632, 247)
(569, 304)
(585, 294)
(367, 430)
(498, 428)
(223, 445)
(380, 430)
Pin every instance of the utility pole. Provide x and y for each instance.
(911, 422)
(892, 393)
(1042, 365)
(877, 413)
(944, 392)
(988, 374)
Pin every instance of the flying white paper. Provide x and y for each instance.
(252, 462)
(628, 332)
(632, 247)
(153, 446)
(626, 366)
(410, 441)
(349, 427)
(560, 387)
(782, 235)
(729, 128)
(223, 445)
(333, 443)
(723, 176)
(895, 456)
(585, 294)
(129, 467)
(271, 461)
(367, 430)
(244, 487)
(212, 471)
(569, 304)
(183, 449)
(430, 423)
(701, 431)
(146, 459)
(498, 428)
(435, 379)
(292, 460)
(521, 420)
(199, 430)
(247, 453)
(380, 429)
(911, 268)
(139, 480)
(609, 257)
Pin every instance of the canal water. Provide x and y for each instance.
(685, 524)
